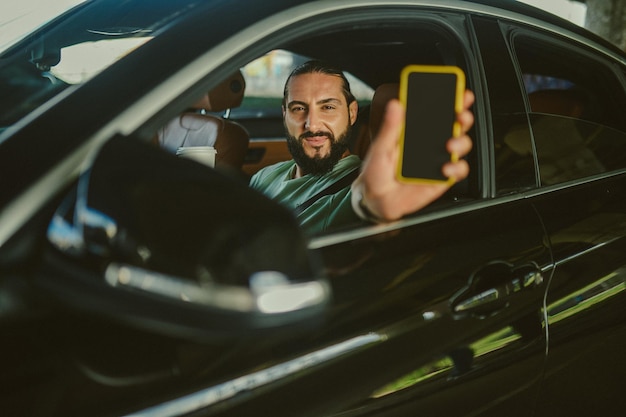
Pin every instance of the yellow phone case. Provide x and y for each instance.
(455, 129)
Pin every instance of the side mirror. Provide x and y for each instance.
(177, 248)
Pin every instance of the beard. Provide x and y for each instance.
(318, 165)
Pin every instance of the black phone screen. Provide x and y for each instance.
(430, 117)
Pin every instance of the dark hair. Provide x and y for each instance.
(316, 66)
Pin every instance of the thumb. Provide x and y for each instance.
(391, 128)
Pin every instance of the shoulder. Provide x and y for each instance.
(271, 172)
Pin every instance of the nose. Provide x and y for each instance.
(312, 122)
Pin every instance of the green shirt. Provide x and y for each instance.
(330, 211)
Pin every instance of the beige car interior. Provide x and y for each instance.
(199, 128)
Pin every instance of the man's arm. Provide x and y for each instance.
(378, 195)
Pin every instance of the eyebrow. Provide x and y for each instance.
(323, 101)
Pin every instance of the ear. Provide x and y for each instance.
(353, 109)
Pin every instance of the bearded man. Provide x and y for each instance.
(319, 111)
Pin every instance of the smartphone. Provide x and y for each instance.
(432, 97)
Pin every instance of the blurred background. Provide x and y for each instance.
(606, 18)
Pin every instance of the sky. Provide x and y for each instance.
(20, 16)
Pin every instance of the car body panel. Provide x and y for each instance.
(585, 227)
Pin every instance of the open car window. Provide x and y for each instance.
(395, 43)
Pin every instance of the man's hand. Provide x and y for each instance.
(377, 191)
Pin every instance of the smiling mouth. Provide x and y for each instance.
(316, 141)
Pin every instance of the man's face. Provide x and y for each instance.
(317, 120)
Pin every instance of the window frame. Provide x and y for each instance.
(517, 34)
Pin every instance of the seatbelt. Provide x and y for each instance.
(343, 182)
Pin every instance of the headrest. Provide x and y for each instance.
(226, 95)
(562, 102)
(382, 95)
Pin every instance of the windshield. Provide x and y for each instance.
(69, 44)
(19, 18)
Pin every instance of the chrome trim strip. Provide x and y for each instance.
(585, 252)
(208, 397)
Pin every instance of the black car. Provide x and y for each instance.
(134, 282)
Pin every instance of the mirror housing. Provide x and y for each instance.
(178, 248)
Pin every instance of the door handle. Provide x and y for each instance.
(489, 288)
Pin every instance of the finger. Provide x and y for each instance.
(460, 145)
(392, 122)
(466, 120)
(468, 99)
(386, 140)
(457, 170)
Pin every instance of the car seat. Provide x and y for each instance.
(196, 127)
(372, 118)
(382, 95)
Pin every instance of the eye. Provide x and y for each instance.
(297, 109)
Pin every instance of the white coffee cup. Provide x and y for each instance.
(203, 154)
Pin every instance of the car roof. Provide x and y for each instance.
(96, 14)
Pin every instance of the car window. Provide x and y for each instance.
(80, 62)
(396, 44)
(75, 48)
(16, 24)
(576, 110)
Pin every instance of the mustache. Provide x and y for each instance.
(309, 134)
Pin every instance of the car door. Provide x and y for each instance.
(576, 99)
